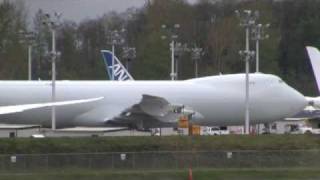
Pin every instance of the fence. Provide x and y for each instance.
(162, 160)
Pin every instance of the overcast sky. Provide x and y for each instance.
(78, 10)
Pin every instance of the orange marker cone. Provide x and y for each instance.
(190, 173)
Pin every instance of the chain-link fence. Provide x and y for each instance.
(161, 160)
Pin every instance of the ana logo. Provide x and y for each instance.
(119, 73)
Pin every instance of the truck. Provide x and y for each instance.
(302, 129)
(215, 131)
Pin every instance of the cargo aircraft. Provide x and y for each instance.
(314, 56)
(312, 111)
(210, 101)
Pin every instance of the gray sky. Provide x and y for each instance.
(77, 10)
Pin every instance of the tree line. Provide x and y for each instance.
(209, 24)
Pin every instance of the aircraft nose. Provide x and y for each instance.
(296, 101)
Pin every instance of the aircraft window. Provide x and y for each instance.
(280, 81)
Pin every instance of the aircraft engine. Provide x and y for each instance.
(314, 101)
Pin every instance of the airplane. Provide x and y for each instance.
(121, 73)
(209, 101)
(312, 111)
(308, 112)
(314, 56)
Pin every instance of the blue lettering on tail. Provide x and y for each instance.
(120, 72)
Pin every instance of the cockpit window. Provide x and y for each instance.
(281, 81)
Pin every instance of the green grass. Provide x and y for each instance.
(199, 174)
(169, 143)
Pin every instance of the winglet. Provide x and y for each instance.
(120, 72)
(25, 107)
(314, 56)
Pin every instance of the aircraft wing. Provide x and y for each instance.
(151, 111)
(151, 105)
(25, 107)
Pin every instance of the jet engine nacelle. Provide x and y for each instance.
(314, 101)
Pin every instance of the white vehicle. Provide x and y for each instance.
(213, 101)
(305, 130)
(36, 136)
(300, 129)
(215, 131)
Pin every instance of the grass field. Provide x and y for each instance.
(170, 143)
(166, 143)
(199, 174)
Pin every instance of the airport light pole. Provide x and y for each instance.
(258, 33)
(179, 48)
(196, 56)
(172, 74)
(129, 53)
(115, 38)
(28, 37)
(30, 62)
(113, 52)
(173, 36)
(247, 56)
(52, 24)
(247, 20)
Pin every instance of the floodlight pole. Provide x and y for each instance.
(115, 38)
(247, 113)
(172, 74)
(129, 53)
(259, 34)
(196, 68)
(28, 37)
(53, 112)
(52, 24)
(247, 20)
(113, 52)
(196, 55)
(257, 55)
(174, 36)
(29, 62)
(257, 37)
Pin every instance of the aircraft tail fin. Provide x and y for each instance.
(120, 72)
(314, 55)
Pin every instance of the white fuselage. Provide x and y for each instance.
(218, 100)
